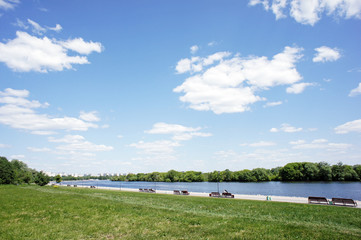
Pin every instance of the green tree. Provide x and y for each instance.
(215, 176)
(226, 175)
(310, 171)
(357, 169)
(337, 172)
(291, 172)
(42, 179)
(260, 174)
(325, 171)
(7, 175)
(58, 178)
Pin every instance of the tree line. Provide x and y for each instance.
(297, 171)
(17, 172)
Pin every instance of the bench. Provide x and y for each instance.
(151, 190)
(92, 186)
(75, 185)
(227, 195)
(344, 202)
(214, 194)
(317, 200)
(176, 192)
(185, 192)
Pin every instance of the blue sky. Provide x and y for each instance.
(141, 86)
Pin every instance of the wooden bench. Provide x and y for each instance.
(151, 190)
(317, 200)
(344, 202)
(176, 192)
(92, 186)
(75, 185)
(185, 192)
(214, 194)
(227, 195)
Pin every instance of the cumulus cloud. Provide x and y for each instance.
(285, 127)
(355, 91)
(321, 144)
(326, 54)
(33, 149)
(29, 53)
(179, 132)
(89, 117)
(310, 11)
(260, 144)
(156, 147)
(194, 49)
(18, 112)
(352, 126)
(5, 145)
(8, 4)
(75, 143)
(81, 46)
(57, 28)
(228, 85)
(273, 104)
(298, 87)
(37, 29)
(18, 156)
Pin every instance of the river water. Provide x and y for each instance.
(294, 189)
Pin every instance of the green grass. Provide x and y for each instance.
(32, 212)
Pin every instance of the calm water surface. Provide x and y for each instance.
(299, 189)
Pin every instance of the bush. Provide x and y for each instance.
(42, 179)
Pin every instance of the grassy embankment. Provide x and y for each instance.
(31, 212)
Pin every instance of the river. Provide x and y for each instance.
(292, 189)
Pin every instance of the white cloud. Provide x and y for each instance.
(231, 85)
(260, 144)
(44, 133)
(286, 128)
(211, 44)
(326, 54)
(76, 143)
(162, 147)
(19, 156)
(298, 142)
(194, 49)
(57, 28)
(4, 145)
(298, 87)
(120, 136)
(89, 117)
(310, 11)
(355, 91)
(33, 149)
(37, 29)
(8, 4)
(352, 126)
(322, 144)
(82, 47)
(29, 53)
(179, 132)
(273, 104)
(18, 112)
(196, 64)
(277, 8)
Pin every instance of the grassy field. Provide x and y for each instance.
(32, 212)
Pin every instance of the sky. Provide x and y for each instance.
(91, 86)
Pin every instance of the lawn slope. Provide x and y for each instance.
(32, 212)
